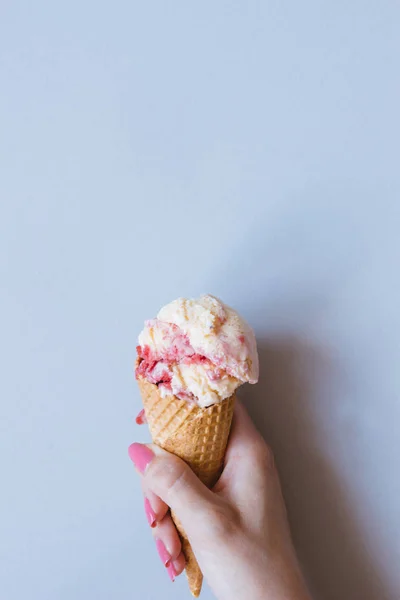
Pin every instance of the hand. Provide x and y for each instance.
(239, 530)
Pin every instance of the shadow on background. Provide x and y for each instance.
(323, 522)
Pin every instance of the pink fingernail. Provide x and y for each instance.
(141, 418)
(141, 456)
(163, 553)
(150, 514)
(171, 572)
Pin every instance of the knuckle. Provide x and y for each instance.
(264, 456)
(167, 476)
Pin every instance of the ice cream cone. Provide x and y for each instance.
(197, 435)
(191, 359)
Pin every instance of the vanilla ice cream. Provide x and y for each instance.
(197, 350)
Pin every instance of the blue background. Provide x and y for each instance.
(155, 149)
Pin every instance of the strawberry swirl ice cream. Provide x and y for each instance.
(199, 350)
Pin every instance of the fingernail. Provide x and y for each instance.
(163, 553)
(171, 572)
(150, 514)
(141, 456)
(141, 418)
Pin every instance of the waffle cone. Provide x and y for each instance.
(197, 435)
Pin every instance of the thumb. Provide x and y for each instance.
(249, 461)
(174, 482)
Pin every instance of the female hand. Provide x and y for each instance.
(239, 530)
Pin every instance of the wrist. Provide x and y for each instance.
(258, 575)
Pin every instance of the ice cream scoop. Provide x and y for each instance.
(199, 350)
